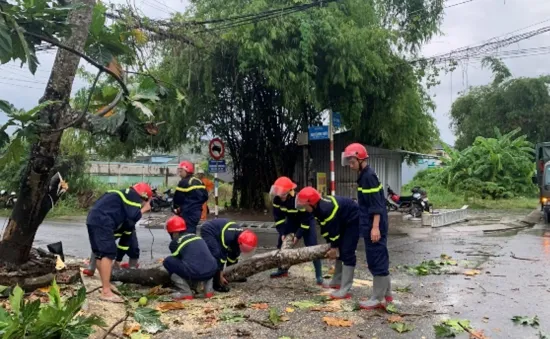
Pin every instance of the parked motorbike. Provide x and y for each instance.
(12, 199)
(160, 202)
(413, 205)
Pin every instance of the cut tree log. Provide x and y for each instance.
(157, 275)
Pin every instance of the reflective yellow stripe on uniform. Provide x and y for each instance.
(128, 232)
(334, 238)
(370, 190)
(184, 243)
(276, 206)
(124, 248)
(223, 261)
(192, 187)
(124, 199)
(333, 213)
(280, 222)
(225, 227)
(118, 235)
(232, 260)
(284, 209)
(324, 235)
(306, 227)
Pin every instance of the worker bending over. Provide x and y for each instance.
(191, 264)
(338, 218)
(289, 219)
(226, 240)
(111, 210)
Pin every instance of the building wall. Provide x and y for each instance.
(386, 163)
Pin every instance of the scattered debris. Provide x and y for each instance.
(170, 306)
(526, 321)
(401, 327)
(259, 306)
(451, 327)
(406, 289)
(337, 322)
(512, 255)
(395, 319)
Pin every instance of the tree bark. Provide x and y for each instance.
(31, 208)
(157, 275)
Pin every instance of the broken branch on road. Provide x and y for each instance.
(512, 255)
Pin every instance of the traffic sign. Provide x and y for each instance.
(216, 148)
(318, 132)
(216, 166)
(336, 120)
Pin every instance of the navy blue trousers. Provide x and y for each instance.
(133, 250)
(177, 266)
(378, 257)
(102, 241)
(349, 237)
(192, 220)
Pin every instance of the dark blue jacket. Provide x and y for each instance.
(222, 237)
(371, 200)
(192, 249)
(190, 195)
(288, 219)
(335, 215)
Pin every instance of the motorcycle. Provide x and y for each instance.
(413, 205)
(12, 199)
(160, 202)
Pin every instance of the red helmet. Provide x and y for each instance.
(354, 150)
(282, 186)
(248, 241)
(176, 224)
(187, 166)
(144, 190)
(307, 196)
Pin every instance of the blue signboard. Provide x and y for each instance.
(318, 133)
(216, 166)
(336, 120)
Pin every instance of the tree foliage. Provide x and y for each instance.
(506, 103)
(500, 167)
(259, 85)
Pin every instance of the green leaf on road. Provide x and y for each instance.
(526, 321)
(231, 317)
(402, 327)
(543, 335)
(274, 316)
(149, 319)
(303, 304)
(450, 328)
(406, 289)
(391, 308)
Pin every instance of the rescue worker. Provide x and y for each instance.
(226, 240)
(111, 210)
(191, 263)
(338, 218)
(373, 223)
(132, 250)
(289, 219)
(209, 185)
(189, 197)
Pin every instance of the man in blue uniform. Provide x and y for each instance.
(289, 219)
(191, 263)
(226, 240)
(113, 209)
(190, 196)
(373, 224)
(338, 218)
(132, 250)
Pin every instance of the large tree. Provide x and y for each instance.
(507, 103)
(259, 84)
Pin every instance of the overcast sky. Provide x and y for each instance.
(465, 24)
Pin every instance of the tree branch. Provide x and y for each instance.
(83, 56)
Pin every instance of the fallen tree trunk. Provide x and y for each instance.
(157, 275)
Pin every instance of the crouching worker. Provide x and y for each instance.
(132, 250)
(338, 218)
(191, 264)
(289, 219)
(111, 210)
(226, 240)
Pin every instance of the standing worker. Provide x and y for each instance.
(191, 263)
(289, 219)
(338, 218)
(189, 197)
(209, 185)
(111, 210)
(373, 224)
(226, 240)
